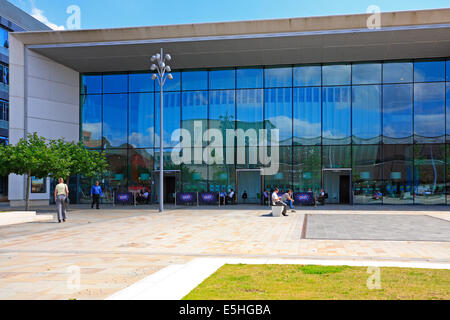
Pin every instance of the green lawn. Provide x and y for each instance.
(297, 282)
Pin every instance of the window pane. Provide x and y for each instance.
(366, 73)
(116, 180)
(336, 157)
(396, 72)
(194, 178)
(307, 166)
(140, 164)
(429, 71)
(221, 178)
(307, 116)
(282, 179)
(448, 174)
(170, 85)
(447, 77)
(195, 80)
(249, 78)
(336, 74)
(336, 115)
(91, 84)
(366, 114)
(222, 79)
(91, 120)
(397, 113)
(305, 76)
(429, 174)
(429, 112)
(278, 77)
(115, 83)
(448, 112)
(195, 115)
(398, 174)
(278, 112)
(250, 114)
(171, 118)
(142, 122)
(141, 82)
(367, 175)
(222, 110)
(115, 116)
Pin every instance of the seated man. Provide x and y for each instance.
(276, 201)
(230, 198)
(322, 197)
(312, 196)
(287, 198)
(222, 197)
(146, 197)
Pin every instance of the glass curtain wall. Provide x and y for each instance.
(387, 122)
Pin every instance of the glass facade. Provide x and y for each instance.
(384, 124)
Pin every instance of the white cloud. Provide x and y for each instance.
(39, 15)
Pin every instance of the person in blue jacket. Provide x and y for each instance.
(96, 193)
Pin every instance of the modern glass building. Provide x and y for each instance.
(354, 129)
(360, 111)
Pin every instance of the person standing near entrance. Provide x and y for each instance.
(96, 193)
(61, 193)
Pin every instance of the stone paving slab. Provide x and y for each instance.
(377, 227)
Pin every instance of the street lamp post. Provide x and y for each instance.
(162, 74)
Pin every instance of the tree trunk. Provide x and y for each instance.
(27, 198)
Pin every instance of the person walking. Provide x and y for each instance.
(61, 194)
(96, 193)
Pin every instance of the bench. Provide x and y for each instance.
(277, 210)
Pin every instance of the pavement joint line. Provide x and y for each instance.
(176, 281)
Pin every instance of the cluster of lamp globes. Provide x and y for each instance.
(159, 65)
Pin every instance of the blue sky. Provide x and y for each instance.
(120, 13)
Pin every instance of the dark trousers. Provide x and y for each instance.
(96, 200)
(281, 203)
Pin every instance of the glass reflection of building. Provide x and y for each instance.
(388, 123)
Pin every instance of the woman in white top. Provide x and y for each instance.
(61, 193)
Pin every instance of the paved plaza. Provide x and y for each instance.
(115, 247)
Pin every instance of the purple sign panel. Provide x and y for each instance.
(186, 198)
(124, 198)
(208, 198)
(304, 198)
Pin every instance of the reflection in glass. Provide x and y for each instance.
(429, 174)
(141, 131)
(278, 77)
(91, 121)
(91, 84)
(305, 76)
(222, 79)
(172, 118)
(429, 112)
(366, 115)
(250, 113)
(115, 83)
(448, 112)
(448, 174)
(426, 71)
(366, 73)
(336, 115)
(307, 169)
(367, 175)
(195, 113)
(116, 177)
(194, 178)
(115, 108)
(171, 85)
(336, 74)
(195, 80)
(282, 179)
(307, 116)
(397, 113)
(250, 78)
(336, 157)
(140, 164)
(222, 110)
(141, 82)
(397, 72)
(398, 174)
(278, 113)
(221, 177)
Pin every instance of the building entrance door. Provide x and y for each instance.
(337, 183)
(171, 185)
(248, 181)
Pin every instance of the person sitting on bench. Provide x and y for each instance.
(230, 198)
(322, 197)
(276, 201)
(287, 198)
